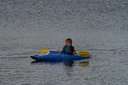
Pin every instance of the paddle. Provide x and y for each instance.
(43, 51)
(83, 53)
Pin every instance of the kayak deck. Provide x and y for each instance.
(54, 56)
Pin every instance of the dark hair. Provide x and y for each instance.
(69, 40)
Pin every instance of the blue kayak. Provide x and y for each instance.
(54, 56)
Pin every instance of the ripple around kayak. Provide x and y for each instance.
(54, 56)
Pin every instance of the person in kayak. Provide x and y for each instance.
(68, 47)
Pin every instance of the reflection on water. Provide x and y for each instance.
(68, 67)
(84, 64)
(67, 64)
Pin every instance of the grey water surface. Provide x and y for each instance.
(100, 26)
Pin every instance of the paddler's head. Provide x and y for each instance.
(68, 42)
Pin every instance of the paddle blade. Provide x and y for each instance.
(84, 53)
(43, 51)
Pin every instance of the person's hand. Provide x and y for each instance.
(75, 53)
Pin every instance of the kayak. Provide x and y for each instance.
(55, 56)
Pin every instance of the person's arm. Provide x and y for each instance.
(63, 49)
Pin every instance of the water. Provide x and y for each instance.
(99, 26)
(105, 67)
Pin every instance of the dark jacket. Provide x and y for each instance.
(68, 49)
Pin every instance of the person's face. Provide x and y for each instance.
(68, 43)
